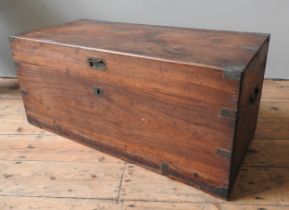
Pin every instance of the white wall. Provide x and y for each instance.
(268, 16)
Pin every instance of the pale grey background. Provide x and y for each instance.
(268, 16)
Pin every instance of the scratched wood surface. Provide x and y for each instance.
(40, 170)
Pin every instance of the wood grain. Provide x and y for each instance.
(12, 124)
(261, 184)
(276, 91)
(48, 148)
(248, 109)
(132, 205)
(9, 91)
(24, 203)
(255, 185)
(7, 109)
(197, 83)
(274, 110)
(155, 42)
(47, 203)
(60, 179)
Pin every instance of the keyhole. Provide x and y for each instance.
(97, 91)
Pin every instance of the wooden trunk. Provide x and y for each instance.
(181, 102)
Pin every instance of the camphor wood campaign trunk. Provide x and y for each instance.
(181, 102)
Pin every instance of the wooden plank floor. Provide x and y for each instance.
(39, 170)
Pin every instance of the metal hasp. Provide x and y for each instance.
(96, 63)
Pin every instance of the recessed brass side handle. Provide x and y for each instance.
(96, 63)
